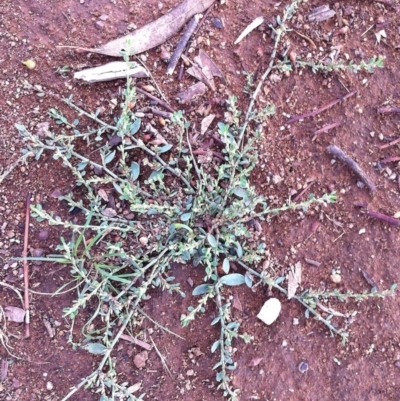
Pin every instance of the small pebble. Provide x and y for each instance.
(217, 23)
(336, 278)
(303, 367)
(43, 235)
(270, 311)
(49, 386)
(99, 25)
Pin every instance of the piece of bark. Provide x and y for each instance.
(337, 152)
(182, 44)
(191, 93)
(388, 219)
(322, 13)
(111, 71)
(153, 34)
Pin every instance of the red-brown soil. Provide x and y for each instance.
(368, 366)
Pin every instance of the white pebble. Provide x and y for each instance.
(270, 311)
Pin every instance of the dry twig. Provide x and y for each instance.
(337, 152)
(320, 110)
(159, 101)
(192, 25)
(26, 269)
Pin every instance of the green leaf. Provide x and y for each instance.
(239, 250)
(164, 148)
(232, 279)
(178, 226)
(248, 281)
(280, 280)
(215, 346)
(186, 216)
(135, 126)
(240, 192)
(201, 289)
(135, 171)
(20, 127)
(109, 157)
(226, 266)
(216, 320)
(96, 348)
(212, 241)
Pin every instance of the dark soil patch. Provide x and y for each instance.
(367, 367)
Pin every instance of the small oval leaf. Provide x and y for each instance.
(135, 171)
(96, 348)
(135, 126)
(215, 346)
(226, 266)
(186, 216)
(201, 289)
(212, 241)
(109, 157)
(232, 279)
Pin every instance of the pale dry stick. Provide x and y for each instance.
(190, 29)
(2, 283)
(194, 33)
(303, 191)
(390, 144)
(337, 152)
(309, 40)
(388, 219)
(388, 109)
(12, 166)
(327, 127)
(278, 35)
(26, 269)
(390, 159)
(320, 110)
(162, 357)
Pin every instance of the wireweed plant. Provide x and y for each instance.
(170, 209)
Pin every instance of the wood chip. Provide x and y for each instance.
(191, 93)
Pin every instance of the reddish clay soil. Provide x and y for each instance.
(340, 236)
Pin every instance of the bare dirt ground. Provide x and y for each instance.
(338, 237)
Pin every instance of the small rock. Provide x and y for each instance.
(336, 278)
(190, 372)
(49, 386)
(99, 25)
(98, 171)
(218, 23)
(303, 367)
(144, 241)
(397, 363)
(37, 253)
(270, 311)
(140, 359)
(43, 235)
(276, 179)
(103, 17)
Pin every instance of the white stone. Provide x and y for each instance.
(49, 386)
(270, 311)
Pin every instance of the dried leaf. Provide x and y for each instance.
(140, 359)
(103, 194)
(4, 370)
(255, 361)
(236, 302)
(321, 14)
(294, 279)
(140, 343)
(132, 389)
(14, 314)
(379, 35)
(158, 140)
(369, 279)
(255, 24)
(205, 61)
(109, 212)
(155, 33)
(206, 122)
(42, 129)
(191, 93)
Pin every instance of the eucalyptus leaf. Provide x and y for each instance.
(215, 346)
(164, 148)
(232, 279)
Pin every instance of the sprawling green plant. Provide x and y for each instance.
(170, 208)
